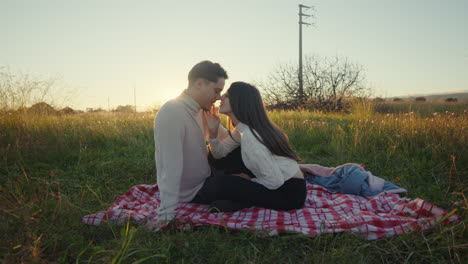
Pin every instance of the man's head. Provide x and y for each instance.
(206, 81)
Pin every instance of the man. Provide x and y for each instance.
(180, 133)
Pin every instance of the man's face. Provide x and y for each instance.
(210, 92)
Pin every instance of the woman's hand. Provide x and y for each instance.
(212, 121)
(243, 175)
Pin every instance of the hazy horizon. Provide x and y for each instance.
(105, 49)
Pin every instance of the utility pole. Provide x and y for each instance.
(301, 86)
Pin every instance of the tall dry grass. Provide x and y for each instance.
(55, 169)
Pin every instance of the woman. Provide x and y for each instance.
(275, 179)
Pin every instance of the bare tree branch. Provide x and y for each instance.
(328, 83)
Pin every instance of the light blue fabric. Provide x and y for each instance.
(348, 180)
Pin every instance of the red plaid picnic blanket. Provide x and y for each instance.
(324, 212)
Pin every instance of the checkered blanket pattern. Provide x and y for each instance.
(324, 212)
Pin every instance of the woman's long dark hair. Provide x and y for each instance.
(247, 105)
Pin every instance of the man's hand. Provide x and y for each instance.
(212, 121)
(243, 175)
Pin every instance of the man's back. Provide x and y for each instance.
(181, 154)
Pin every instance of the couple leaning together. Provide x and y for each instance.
(249, 164)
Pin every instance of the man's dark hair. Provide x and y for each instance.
(206, 70)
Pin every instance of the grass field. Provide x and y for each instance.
(55, 169)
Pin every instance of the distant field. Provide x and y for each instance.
(421, 108)
(55, 169)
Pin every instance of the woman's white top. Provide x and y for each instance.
(270, 170)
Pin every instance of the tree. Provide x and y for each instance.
(328, 83)
(378, 100)
(451, 100)
(125, 109)
(420, 99)
(19, 91)
(99, 110)
(397, 99)
(42, 108)
(67, 110)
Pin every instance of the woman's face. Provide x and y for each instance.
(225, 106)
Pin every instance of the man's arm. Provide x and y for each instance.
(169, 133)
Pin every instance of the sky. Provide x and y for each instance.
(104, 50)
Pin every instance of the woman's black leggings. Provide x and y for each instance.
(221, 185)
